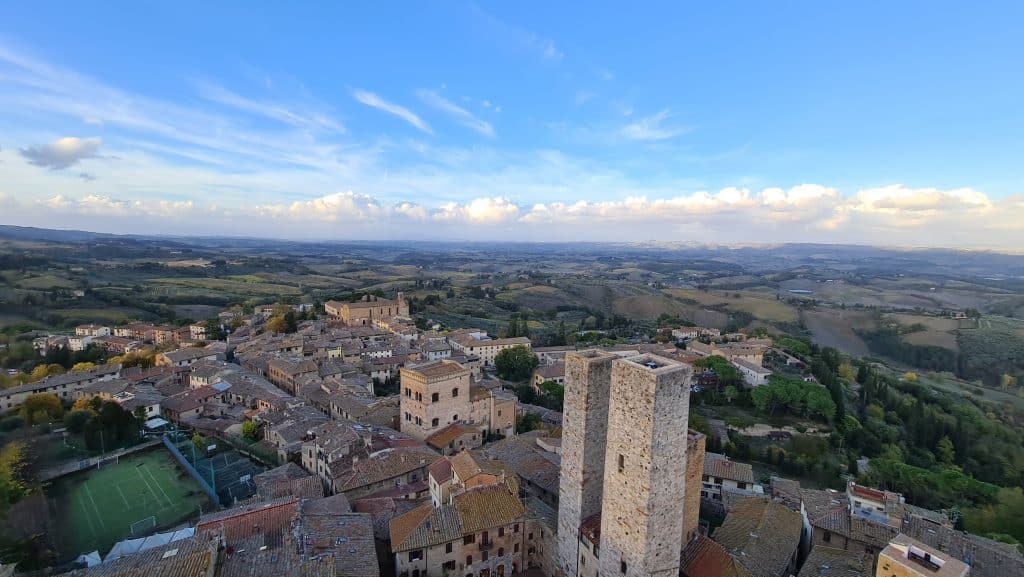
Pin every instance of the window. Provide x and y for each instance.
(718, 480)
(530, 536)
(469, 560)
(408, 392)
(583, 559)
(455, 392)
(416, 555)
(408, 416)
(741, 485)
(448, 548)
(455, 418)
(622, 463)
(448, 566)
(469, 539)
(501, 551)
(501, 531)
(515, 548)
(515, 528)
(499, 413)
(435, 397)
(622, 567)
(435, 422)
(483, 556)
(827, 537)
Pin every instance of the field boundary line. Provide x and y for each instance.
(85, 510)
(158, 485)
(148, 488)
(123, 498)
(95, 508)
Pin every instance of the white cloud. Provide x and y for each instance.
(372, 100)
(461, 115)
(650, 128)
(62, 153)
(803, 213)
(479, 211)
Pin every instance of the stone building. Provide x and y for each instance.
(906, 557)
(434, 395)
(365, 311)
(474, 525)
(623, 500)
(438, 394)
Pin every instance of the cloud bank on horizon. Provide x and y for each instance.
(375, 157)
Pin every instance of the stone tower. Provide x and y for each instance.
(645, 468)
(588, 378)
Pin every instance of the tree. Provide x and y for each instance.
(283, 323)
(250, 430)
(1007, 381)
(12, 469)
(730, 393)
(910, 376)
(83, 367)
(726, 373)
(527, 423)
(199, 441)
(77, 419)
(945, 451)
(43, 371)
(818, 403)
(516, 363)
(43, 406)
(214, 330)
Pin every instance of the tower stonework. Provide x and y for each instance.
(588, 377)
(643, 505)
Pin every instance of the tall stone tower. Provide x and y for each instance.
(588, 378)
(645, 468)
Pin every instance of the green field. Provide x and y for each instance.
(95, 509)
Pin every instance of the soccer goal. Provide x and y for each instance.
(143, 526)
(106, 461)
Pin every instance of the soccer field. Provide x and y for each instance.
(96, 508)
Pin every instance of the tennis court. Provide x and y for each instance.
(134, 497)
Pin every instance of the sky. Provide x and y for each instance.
(887, 123)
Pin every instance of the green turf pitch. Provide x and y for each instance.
(95, 509)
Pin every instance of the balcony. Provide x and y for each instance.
(486, 545)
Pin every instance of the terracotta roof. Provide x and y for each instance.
(486, 507)
(443, 437)
(591, 528)
(987, 558)
(386, 465)
(250, 520)
(761, 534)
(412, 531)
(187, 558)
(441, 470)
(474, 510)
(867, 492)
(703, 557)
(552, 371)
(832, 562)
(716, 465)
(440, 369)
(464, 465)
(347, 537)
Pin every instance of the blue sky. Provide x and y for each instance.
(875, 122)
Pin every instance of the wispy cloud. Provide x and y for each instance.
(61, 153)
(374, 101)
(542, 47)
(461, 115)
(287, 114)
(652, 128)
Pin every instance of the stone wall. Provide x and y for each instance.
(588, 377)
(645, 467)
